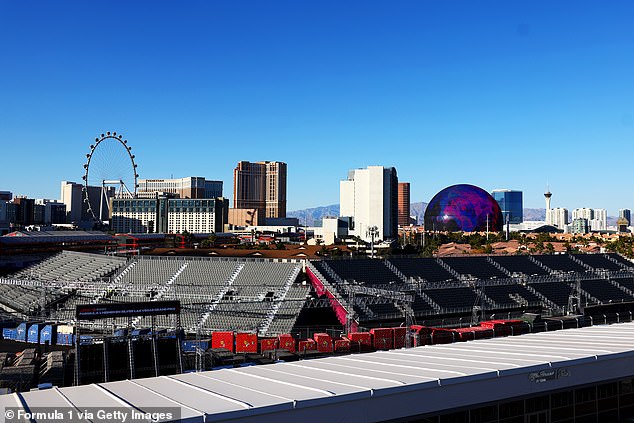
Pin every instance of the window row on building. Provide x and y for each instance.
(168, 215)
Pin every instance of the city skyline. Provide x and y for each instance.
(516, 96)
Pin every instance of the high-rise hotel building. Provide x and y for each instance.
(370, 198)
(403, 204)
(168, 215)
(260, 186)
(189, 187)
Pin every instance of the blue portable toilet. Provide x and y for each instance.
(9, 333)
(33, 334)
(48, 333)
(139, 332)
(21, 332)
(192, 345)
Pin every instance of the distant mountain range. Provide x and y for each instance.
(313, 216)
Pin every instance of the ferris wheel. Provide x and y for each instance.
(110, 172)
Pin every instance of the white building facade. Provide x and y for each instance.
(370, 197)
(189, 187)
(169, 215)
(557, 217)
(600, 221)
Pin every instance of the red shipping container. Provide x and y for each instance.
(286, 342)
(441, 336)
(420, 335)
(342, 345)
(268, 344)
(475, 332)
(324, 342)
(463, 334)
(360, 338)
(421, 329)
(222, 340)
(383, 338)
(507, 327)
(399, 337)
(246, 343)
(306, 345)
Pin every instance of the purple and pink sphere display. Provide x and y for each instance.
(464, 208)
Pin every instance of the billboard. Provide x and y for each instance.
(146, 308)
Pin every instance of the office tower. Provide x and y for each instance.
(260, 185)
(511, 203)
(189, 187)
(627, 215)
(6, 196)
(403, 204)
(557, 217)
(369, 196)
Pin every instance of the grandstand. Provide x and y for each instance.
(264, 296)
(216, 293)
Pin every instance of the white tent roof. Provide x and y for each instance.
(371, 387)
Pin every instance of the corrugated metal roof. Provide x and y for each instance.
(377, 385)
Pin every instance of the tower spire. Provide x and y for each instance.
(547, 195)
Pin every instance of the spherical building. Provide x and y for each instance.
(464, 208)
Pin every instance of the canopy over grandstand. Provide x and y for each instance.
(54, 237)
(374, 387)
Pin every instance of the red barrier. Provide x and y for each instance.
(441, 336)
(320, 289)
(246, 343)
(383, 338)
(268, 344)
(399, 337)
(507, 327)
(324, 342)
(286, 342)
(306, 345)
(362, 338)
(342, 345)
(222, 340)
(471, 333)
(420, 335)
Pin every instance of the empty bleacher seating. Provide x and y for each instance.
(604, 291)
(598, 262)
(72, 266)
(560, 263)
(620, 259)
(369, 272)
(453, 298)
(424, 268)
(477, 267)
(557, 292)
(520, 264)
(510, 295)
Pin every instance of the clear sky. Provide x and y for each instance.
(497, 94)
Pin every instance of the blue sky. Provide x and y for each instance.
(496, 94)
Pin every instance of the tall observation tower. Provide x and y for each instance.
(547, 195)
